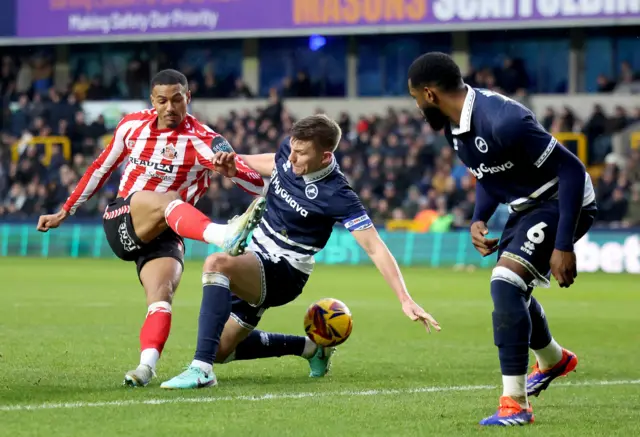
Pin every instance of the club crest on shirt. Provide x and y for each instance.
(169, 152)
(311, 191)
(482, 145)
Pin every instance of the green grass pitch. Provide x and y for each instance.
(69, 332)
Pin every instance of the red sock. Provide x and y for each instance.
(155, 330)
(186, 220)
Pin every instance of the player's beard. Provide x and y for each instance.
(434, 116)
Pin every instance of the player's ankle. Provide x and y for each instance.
(514, 386)
(521, 400)
(149, 357)
(310, 348)
(215, 233)
(549, 356)
(205, 367)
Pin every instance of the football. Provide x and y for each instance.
(328, 322)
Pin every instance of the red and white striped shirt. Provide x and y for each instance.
(159, 160)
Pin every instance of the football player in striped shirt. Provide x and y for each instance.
(169, 158)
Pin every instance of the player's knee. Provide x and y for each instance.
(218, 263)
(172, 195)
(168, 198)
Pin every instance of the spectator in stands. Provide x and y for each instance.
(24, 79)
(512, 76)
(632, 217)
(96, 90)
(20, 118)
(629, 81)
(42, 73)
(7, 75)
(81, 87)
(596, 125)
(301, 86)
(241, 90)
(619, 121)
(604, 84)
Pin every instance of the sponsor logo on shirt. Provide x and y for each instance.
(480, 171)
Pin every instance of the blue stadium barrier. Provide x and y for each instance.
(601, 250)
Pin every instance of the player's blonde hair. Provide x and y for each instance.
(320, 129)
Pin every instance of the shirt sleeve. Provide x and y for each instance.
(485, 205)
(348, 210)
(99, 171)
(527, 135)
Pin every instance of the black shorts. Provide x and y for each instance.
(529, 237)
(122, 238)
(281, 284)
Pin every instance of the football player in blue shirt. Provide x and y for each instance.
(552, 204)
(307, 195)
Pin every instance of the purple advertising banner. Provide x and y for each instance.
(69, 18)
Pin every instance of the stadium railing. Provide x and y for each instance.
(612, 251)
(635, 140)
(47, 143)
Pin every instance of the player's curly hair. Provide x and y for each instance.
(321, 129)
(436, 69)
(169, 77)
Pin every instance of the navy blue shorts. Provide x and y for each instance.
(281, 284)
(529, 237)
(125, 243)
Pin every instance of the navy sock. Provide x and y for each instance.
(260, 344)
(511, 326)
(214, 313)
(540, 334)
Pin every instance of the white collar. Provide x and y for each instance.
(465, 117)
(322, 173)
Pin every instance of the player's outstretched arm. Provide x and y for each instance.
(93, 179)
(263, 163)
(370, 241)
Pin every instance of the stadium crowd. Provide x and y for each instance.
(399, 166)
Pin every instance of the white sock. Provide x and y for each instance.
(205, 367)
(310, 348)
(515, 387)
(214, 234)
(549, 356)
(149, 357)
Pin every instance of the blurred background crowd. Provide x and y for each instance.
(400, 167)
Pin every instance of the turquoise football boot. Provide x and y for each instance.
(192, 377)
(320, 362)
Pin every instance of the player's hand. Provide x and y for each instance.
(415, 312)
(51, 221)
(486, 246)
(225, 164)
(563, 267)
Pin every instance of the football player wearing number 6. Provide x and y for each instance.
(551, 203)
(307, 195)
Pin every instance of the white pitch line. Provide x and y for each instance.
(277, 396)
